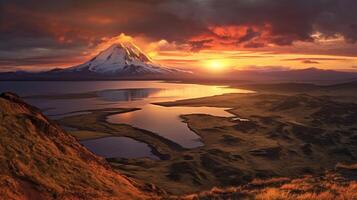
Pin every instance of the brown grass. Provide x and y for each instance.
(331, 186)
(38, 160)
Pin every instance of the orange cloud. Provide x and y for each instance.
(229, 31)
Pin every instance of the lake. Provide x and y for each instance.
(111, 147)
(64, 98)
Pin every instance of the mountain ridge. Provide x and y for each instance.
(305, 74)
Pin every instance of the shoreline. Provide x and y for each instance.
(100, 118)
(236, 152)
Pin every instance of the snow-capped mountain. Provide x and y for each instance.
(123, 59)
(119, 61)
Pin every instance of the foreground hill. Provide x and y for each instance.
(40, 161)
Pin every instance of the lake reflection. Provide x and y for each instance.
(166, 121)
(113, 147)
(127, 94)
(57, 99)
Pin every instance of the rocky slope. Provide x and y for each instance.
(40, 161)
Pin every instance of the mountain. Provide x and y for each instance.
(298, 75)
(41, 161)
(123, 59)
(119, 61)
(313, 74)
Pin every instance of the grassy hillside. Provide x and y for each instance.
(40, 161)
(329, 186)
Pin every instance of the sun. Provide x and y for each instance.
(216, 65)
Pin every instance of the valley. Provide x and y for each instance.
(270, 145)
(271, 135)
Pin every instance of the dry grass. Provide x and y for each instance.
(331, 186)
(40, 161)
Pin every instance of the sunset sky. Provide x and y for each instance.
(212, 35)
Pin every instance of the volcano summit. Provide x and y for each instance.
(119, 61)
(123, 59)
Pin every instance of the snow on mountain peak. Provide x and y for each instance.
(128, 50)
(123, 58)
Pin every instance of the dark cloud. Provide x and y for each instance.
(200, 44)
(32, 61)
(288, 20)
(314, 58)
(310, 62)
(27, 25)
(249, 35)
(87, 20)
(266, 68)
(247, 56)
(254, 45)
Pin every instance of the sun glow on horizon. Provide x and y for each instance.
(214, 60)
(216, 65)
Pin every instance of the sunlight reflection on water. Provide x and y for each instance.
(164, 121)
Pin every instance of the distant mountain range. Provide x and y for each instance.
(297, 75)
(123, 61)
(119, 61)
